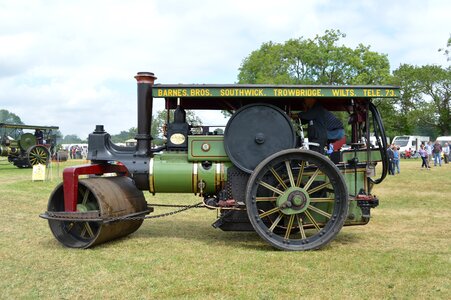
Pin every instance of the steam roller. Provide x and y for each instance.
(101, 204)
(257, 173)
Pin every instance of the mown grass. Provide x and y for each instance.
(403, 253)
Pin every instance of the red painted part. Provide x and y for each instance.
(338, 144)
(365, 197)
(70, 180)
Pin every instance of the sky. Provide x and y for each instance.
(72, 63)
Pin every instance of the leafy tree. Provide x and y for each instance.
(124, 135)
(319, 61)
(447, 50)
(9, 117)
(57, 135)
(425, 96)
(314, 61)
(72, 139)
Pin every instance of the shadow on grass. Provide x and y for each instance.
(201, 231)
(346, 238)
(13, 168)
(153, 232)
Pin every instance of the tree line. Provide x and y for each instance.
(422, 109)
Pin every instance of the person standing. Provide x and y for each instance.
(396, 159)
(446, 152)
(39, 136)
(437, 151)
(424, 157)
(390, 156)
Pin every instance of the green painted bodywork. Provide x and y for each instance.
(173, 173)
(27, 140)
(12, 149)
(355, 216)
(374, 155)
(206, 148)
(355, 181)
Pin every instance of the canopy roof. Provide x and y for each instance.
(21, 126)
(233, 96)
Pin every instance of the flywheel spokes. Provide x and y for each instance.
(38, 155)
(296, 200)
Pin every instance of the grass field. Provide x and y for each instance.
(403, 253)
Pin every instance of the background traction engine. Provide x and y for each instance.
(255, 175)
(24, 152)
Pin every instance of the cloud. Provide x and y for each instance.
(72, 63)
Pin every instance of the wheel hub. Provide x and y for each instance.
(295, 200)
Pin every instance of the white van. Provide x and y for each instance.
(406, 142)
(444, 139)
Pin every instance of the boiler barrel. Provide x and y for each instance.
(173, 173)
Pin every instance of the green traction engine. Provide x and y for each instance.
(258, 172)
(23, 149)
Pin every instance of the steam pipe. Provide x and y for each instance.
(145, 82)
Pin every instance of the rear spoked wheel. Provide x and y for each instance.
(297, 200)
(38, 155)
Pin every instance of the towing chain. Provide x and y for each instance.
(183, 208)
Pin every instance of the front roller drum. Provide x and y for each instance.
(110, 198)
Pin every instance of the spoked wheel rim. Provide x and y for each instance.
(38, 155)
(76, 234)
(297, 200)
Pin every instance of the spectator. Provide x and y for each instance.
(446, 149)
(408, 153)
(396, 159)
(437, 151)
(74, 151)
(390, 156)
(424, 157)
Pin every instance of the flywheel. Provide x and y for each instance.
(255, 132)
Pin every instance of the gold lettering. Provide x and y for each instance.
(239, 92)
(172, 93)
(342, 92)
(372, 93)
(200, 92)
(389, 93)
